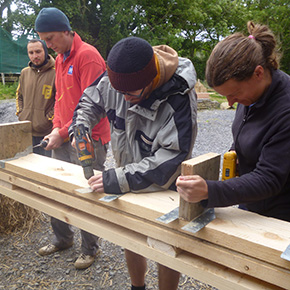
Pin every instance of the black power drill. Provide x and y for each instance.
(43, 143)
(85, 150)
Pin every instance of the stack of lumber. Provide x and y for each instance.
(237, 250)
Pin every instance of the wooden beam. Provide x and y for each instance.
(227, 228)
(163, 247)
(245, 247)
(187, 263)
(207, 166)
(15, 138)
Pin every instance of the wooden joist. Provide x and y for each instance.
(120, 233)
(238, 250)
(207, 166)
(238, 240)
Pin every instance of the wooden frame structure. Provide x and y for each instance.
(238, 250)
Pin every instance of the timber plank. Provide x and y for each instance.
(57, 173)
(207, 166)
(245, 232)
(226, 230)
(69, 177)
(215, 253)
(15, 138)
(149, 205)
(268, 236)
(200, 268)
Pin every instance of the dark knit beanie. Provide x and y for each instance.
(131, 64)
(51, 19)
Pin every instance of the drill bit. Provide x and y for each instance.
(42, 144)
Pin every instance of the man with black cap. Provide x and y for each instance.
(148, 95)
(77, 65)
(35, 93)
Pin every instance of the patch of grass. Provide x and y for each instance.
(217, 97)
(221, 99)
(8, 91)
(214, 96)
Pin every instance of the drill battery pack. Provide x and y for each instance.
(229, 165)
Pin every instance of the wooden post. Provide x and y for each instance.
(207, 166)
(15, 138)
(3, 78)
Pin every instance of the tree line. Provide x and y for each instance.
(192, 28)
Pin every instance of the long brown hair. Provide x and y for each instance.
(238, 55)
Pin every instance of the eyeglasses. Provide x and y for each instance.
(132, 95)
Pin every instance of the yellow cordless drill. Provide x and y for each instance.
(229, 165)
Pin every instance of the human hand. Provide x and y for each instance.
(54, 139)
(96, 183)
(192, 188)
(73, 142)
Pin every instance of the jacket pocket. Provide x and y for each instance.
(41, 124)
(145, 144)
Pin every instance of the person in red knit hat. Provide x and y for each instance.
(77, 65)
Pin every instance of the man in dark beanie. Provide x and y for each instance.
(77, 65)
(35, 93)
(148, 95)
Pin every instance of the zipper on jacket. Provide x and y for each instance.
(245, 117)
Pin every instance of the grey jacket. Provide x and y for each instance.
(150, 139)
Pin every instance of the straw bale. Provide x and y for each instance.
(15, 216)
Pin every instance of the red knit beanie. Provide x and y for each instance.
(131, 64)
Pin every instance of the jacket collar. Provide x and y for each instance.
(77, 42)
(48, 65)
(175, 85)
(276, 85)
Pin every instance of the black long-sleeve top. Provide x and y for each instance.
(261, 135)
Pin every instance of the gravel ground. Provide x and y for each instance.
(22, 268)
